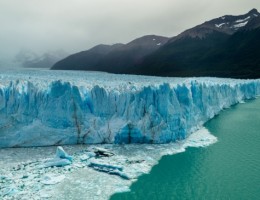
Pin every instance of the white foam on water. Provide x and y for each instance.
(201, 138)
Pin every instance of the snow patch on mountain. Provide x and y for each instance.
(219, 25)
(240, 25)
(242, 20)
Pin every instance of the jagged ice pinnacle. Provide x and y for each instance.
(39, 108)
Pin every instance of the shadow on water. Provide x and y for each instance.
(229, 169)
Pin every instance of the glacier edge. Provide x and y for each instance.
(39, 110)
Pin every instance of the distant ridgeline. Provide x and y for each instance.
(227, 46)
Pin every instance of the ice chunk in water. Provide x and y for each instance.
(60, 153)
(62, 159)
(51, 179)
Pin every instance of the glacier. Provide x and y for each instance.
(42, 107)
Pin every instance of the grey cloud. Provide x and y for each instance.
(75, 25)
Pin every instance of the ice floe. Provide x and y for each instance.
(92, 175)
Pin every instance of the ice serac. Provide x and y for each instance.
(53, 108)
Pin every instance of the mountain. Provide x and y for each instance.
(113, 58)
(227, 24)
(85, 60)
(28, 59)
(228, 46)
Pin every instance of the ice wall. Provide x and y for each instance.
(40, 109)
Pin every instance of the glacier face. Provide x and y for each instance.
(40, 108)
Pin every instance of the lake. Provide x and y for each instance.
(229, 169)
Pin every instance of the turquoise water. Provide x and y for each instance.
(229, 169)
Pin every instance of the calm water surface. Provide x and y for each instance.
(229, 169)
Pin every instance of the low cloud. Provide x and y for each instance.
(44, 26)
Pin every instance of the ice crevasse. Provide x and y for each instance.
(53, 108)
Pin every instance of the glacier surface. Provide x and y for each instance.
(41, 107)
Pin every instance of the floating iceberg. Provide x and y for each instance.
(61, 159)
(40, 108)
(108, 168)
(61, 154)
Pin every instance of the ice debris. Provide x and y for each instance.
(26, 179)
(109, 168)
(61, 159)
(52, 179)
(102, 152)
(60, 153)
(10, 191)
(87, 156)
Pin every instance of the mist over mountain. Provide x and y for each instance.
(228, 46)
(29, 59)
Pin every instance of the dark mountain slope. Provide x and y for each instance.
(123, 59)
(220, 55)
(180, 54)
(88, 58)
(227, 47)
(112, 58)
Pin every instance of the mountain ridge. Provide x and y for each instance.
(97, 57)
(198, 51)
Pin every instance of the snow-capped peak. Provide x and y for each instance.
(231, 24)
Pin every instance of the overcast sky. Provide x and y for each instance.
(75, 25)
